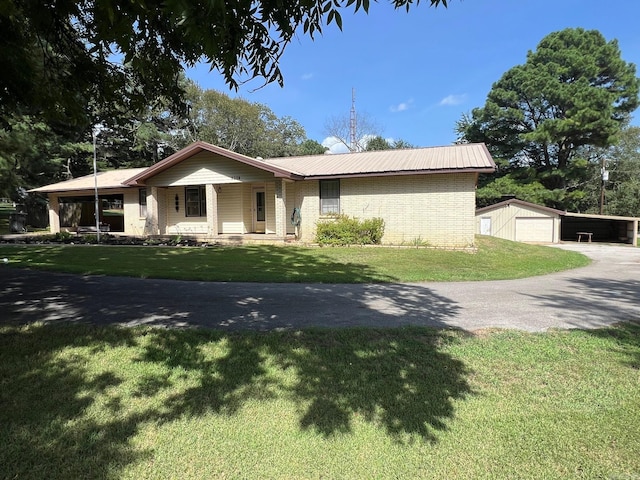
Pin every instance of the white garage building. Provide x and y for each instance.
(519, 221)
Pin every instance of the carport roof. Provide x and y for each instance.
(602, 217)
(106, 180)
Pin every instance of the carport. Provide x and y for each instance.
(599, 228)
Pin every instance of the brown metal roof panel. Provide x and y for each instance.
(455, 157)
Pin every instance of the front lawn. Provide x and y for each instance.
(98, 403)
(495, 259)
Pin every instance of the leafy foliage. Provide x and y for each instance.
(380, 143)
(239, 125)
(623, 188)
(311, 147)
(345, 230)
(32, 154)
(574, 91)
(56, 56)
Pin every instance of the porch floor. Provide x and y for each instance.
(240, 239)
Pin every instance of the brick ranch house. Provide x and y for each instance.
(209, 193)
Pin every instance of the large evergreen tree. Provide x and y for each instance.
(574, 91)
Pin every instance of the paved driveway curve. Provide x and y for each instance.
(603, 293)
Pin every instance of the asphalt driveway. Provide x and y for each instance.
(606, 292)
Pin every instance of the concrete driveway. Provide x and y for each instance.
(603, 293)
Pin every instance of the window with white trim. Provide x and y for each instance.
(329, 197)
(142, 200)
(195, 201)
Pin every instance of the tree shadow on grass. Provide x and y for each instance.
(626, 336)
(45, 397)
(65, 416)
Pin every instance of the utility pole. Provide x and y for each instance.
(604, 178)
(95, 133)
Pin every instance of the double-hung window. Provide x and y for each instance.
(329, 197)
(142, 200)
(195, 201)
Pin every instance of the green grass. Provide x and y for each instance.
(496, 259)
(89, 402)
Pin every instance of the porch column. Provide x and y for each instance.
(635, 233)
(151, 224)
(54, 214)
(212, 209)
(281, 208)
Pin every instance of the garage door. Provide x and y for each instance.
(534, 230)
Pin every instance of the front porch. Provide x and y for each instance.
(252, 212)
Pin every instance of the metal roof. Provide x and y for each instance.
(448, 159)
(522, 203)
(473, 157)
(109, 179)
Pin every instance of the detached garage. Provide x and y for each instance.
(520, 221)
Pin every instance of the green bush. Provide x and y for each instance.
(345, 230)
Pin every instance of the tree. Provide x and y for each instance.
(379, 143)
(339, 127)
(573, 91)
(239, 125)
(56, 56)
(311, 147)
(623, 188)
(33, 155)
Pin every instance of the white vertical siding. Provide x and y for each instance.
(177, 222)
(230, 208)
(207, 167)
(503, 221)
(247, 208)
(270, 207)
(134, 223)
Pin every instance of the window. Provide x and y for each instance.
(142, 200)
(195, 201)
(329, 196)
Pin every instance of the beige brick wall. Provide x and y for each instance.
(436, 209)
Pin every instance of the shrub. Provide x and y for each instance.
(345, 230)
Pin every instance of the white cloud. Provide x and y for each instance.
(307, 76)
(451, 100)
(401, 107)
(334, 145)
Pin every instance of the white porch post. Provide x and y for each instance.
(151, 224)
(281, 208)
(212, 209)
(635, 233)
(54, 214)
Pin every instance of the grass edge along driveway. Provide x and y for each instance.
(495, 259)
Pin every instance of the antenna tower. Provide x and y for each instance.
(353, 142)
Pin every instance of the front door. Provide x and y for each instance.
(259, 210)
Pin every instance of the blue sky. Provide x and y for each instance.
(416, 73)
